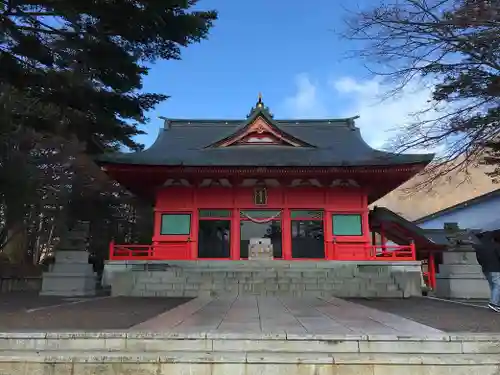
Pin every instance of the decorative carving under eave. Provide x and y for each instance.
(208, 182)
(344, 183)
(265, 182)
(271, 182)
(251, 182)
(177, 182)
(303, 183)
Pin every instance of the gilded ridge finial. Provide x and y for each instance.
(259, 102)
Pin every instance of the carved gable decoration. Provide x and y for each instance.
(260, 132)
(260, 129)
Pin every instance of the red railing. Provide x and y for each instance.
(393, 252)
(373, 253)
(130, 252)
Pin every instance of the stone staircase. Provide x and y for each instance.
(267, 278)
(162, 353)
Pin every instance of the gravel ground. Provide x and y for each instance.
(446, 316)
(22, 312)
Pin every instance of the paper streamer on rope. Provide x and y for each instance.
(261, 221)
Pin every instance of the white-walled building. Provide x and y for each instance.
(481, 213)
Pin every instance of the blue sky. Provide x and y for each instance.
(289, 51)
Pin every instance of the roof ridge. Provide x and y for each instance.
(277, 120)
(169, 122)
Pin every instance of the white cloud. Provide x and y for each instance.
(306, 102)
(379, 115)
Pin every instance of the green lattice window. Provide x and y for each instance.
(175, 224)
(208, 214)
(307, 214)
(347, 225)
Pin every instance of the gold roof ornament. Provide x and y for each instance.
(259, 107)
(260, 104)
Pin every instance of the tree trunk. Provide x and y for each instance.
(16, 245)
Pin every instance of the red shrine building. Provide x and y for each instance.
(305, 185)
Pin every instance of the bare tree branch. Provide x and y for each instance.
(453, 45)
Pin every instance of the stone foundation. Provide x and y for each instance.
(268, 278)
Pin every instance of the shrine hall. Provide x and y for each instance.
(302, 186)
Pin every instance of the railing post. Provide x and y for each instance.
(431, 265)
(111, 249)
(413, 250)
(370, 251)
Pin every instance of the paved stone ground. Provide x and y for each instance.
(272, 315)
(466, 316)
(25, 311)
(249, 314)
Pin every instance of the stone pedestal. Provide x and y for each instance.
(460, 276)
(260, 249)
(71, 275)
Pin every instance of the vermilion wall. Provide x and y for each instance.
(336, 200)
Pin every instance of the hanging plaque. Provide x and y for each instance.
(260, 196)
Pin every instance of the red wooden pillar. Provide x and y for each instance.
(432, 270)
(286, 234)
(235, 235)
(329, 240)
(193, 237)
(111, 249)
(366, 249)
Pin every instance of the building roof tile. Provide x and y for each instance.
(329, 143)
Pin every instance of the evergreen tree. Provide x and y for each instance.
(76, 66)
(71, 82)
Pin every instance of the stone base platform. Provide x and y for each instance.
(256, 336)
(376, 279)
(116, 353)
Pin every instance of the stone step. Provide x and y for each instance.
(291, 293)
(413, 359)
(155, 280)
(241, 276)
(71, 363)
(268, 285)
(158, 342)
(151, 284)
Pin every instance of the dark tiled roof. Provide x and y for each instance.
(439, 237)
(382, 214)
(333, 143)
